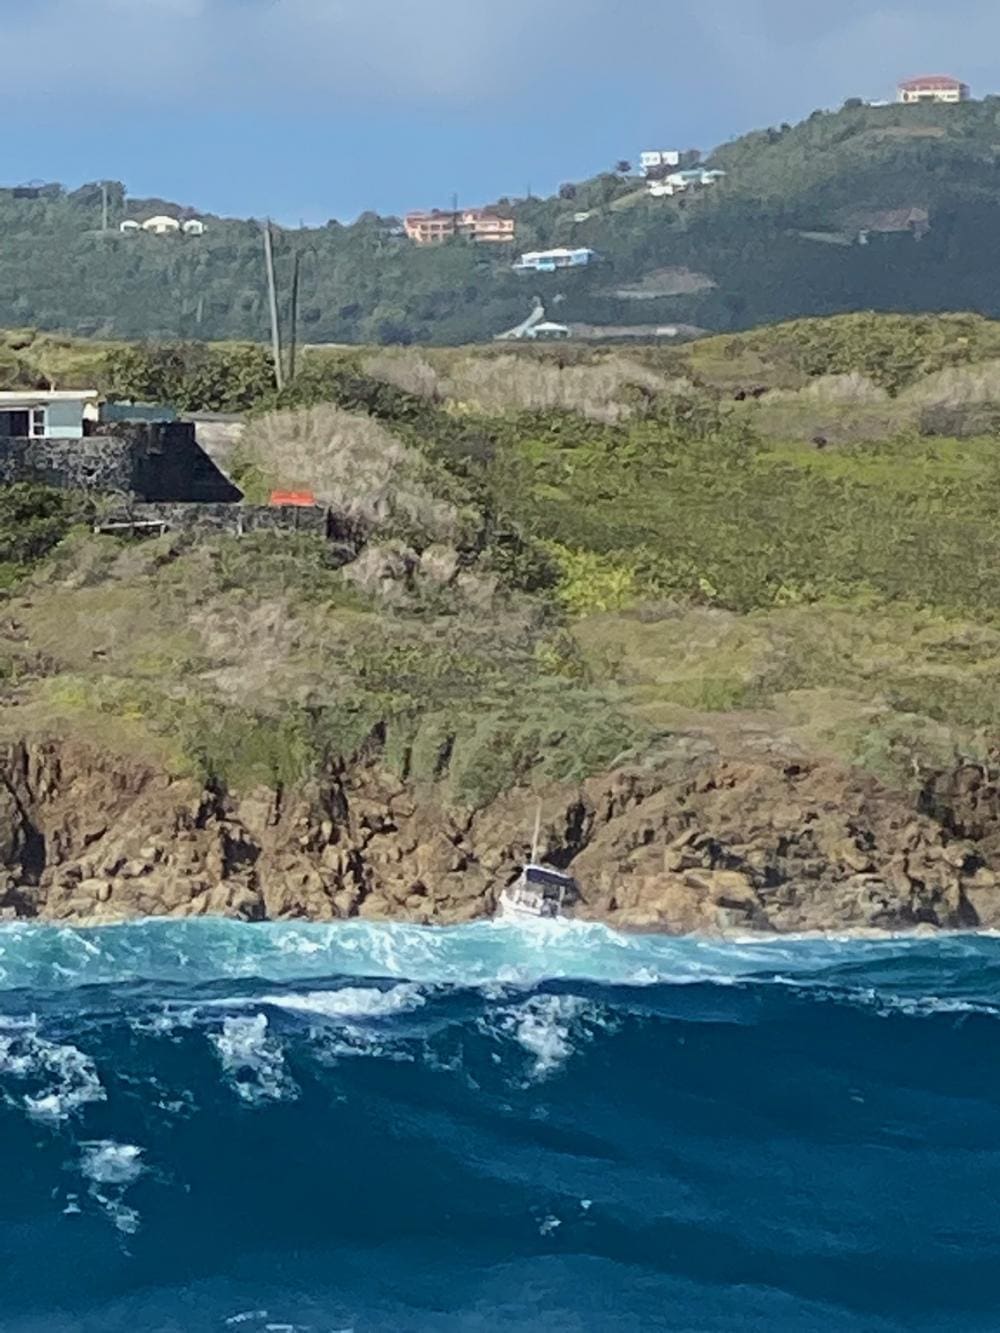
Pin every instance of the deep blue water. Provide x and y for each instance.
(212, 1126)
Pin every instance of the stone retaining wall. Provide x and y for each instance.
(229, 518)
(344, 536)
(89, 464)
(151, 461)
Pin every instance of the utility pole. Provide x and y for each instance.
(104, 207)
(272, 295)
(293, 342)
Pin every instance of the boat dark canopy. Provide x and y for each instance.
(540, 877)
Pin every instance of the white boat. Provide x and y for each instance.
(539, 893)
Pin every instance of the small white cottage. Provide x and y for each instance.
(39, 414)
(161, 225)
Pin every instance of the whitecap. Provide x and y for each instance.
(546, 1027)
(273, 955)
(110, 1163)
(253, 1061)
(111, 1168)
(65, 1078)
(351, 1002)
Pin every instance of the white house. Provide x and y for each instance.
(661, 189)
(658, 157)
(38, 414)
(548, 261)
(129, 225)
(547, 330)
(683, 180)
(194, 227)
(933, 88)
(161, 225)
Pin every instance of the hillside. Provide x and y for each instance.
(753, 681)
(778, 238)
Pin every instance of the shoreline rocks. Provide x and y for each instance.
(712, 844)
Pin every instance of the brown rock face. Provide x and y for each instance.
(716, 845)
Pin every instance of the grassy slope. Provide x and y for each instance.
(846, 599)
(898, 349)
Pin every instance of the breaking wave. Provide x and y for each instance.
(209, 1125)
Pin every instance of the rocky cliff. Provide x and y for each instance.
(710, 843)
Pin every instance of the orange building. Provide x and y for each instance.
(477, 224)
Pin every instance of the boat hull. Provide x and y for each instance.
(513, 909)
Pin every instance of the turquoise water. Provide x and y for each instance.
(214, 1126)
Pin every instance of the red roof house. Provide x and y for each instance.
(934, 88)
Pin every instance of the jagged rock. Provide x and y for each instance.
(711, 843)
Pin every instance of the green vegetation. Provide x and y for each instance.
(33, 520)
(753, 249)
(253, 662)
(551, 560)
(190, 376)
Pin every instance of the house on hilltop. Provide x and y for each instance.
(933, 88)
(693, 178)
(161, 225)
(658, 161)
(481, 225)
(550, 261)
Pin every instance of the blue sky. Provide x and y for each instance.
(311, 109)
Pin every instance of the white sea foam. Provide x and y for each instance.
(110, 1163)
(111, 1168)
(253, 1060)
(198, 952)
(550, 1028)
(350, 1021)
(352, 1003)
(471, 955)
(61, 1078)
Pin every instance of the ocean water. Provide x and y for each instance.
(274, 1129)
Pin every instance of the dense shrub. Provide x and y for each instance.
(190, 376)
(33, 519)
